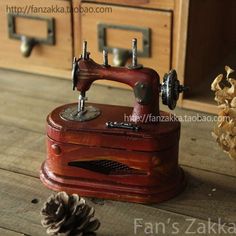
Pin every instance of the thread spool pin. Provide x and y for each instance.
(134, 52)
(105, 57)
(84, 54)
(134, 64)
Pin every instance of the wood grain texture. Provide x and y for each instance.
(160, 23)
(57, 57)
(201, 59)
(77, 38)
(179, 40)
(209, 49)
(24, 26)
(17, 211)
(156, 4)
(204, 105)
(204, 197)
(20, 214)
(6, 232)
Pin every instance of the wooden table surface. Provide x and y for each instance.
(26, 99)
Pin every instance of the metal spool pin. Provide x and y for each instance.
(134, 64)
(134, 53)
(84, 52)
(105, 57)
(82, 96)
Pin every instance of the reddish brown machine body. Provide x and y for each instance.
(94, 151)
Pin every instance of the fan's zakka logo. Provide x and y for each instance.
(191, 226)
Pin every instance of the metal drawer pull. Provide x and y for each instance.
(121, 55)
(28, 42)
(27, 45)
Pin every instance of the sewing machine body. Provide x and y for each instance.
(92, 151)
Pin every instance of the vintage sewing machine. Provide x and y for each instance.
(93, 151)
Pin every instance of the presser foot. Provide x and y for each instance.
(71, 113)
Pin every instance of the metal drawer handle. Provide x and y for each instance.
(27, 45)
(27, 42)
(121, 55)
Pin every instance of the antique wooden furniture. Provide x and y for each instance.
(94, 151)
(51, 30)
(174, 34)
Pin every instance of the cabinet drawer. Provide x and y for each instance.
(156, 4)
(34, 21)
(117, 28)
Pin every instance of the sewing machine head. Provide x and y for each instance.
(144, 81)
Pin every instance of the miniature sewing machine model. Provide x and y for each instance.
(93, 151)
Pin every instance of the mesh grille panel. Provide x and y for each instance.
(106, 167)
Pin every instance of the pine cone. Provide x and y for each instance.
(68, 215)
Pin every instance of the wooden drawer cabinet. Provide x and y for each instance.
(211, 43)
(195, 37)
(45, 59)
(116, 30)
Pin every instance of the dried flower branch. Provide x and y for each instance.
(225, 130)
